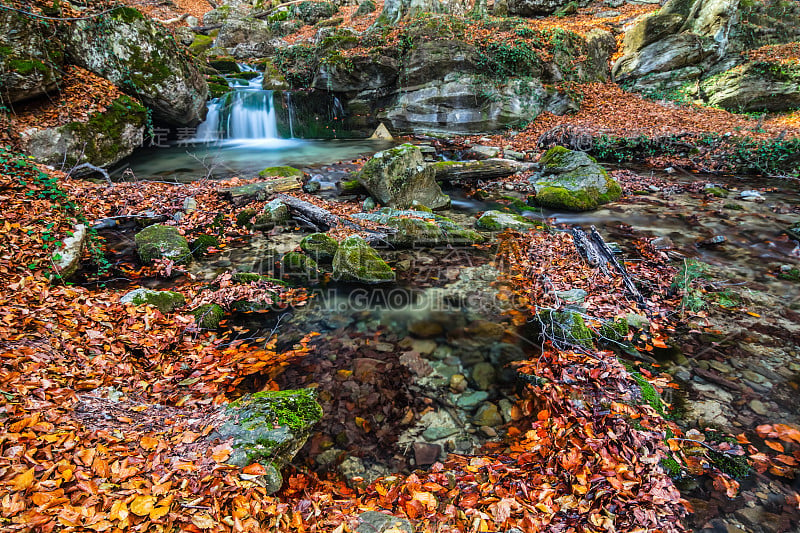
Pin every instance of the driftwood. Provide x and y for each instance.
(260, 190)
(488, 169)
(596, 252)
(322, 220)
(88, 166)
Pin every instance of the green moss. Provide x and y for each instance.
(208, 316)
(297, 264)
(245, 217)
(672, 467)
(283, 171)
(365, 8)
(158, 241)
(560, 197)
(792, 274)
(164, 301)
(355, 260)
(202, 243)
(733, 207)
(25, 67)
(217, 90)
(127, 14)
(719, 192)
(201, 44)
(245, 277)
(555, 157)
(320, 246)
(565, 328)
(296, 409)
(614, 330)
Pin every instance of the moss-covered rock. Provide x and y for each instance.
(573, 181)
(297, 265)
(365, 8)
(208, 316)
(202, 243)
(355, 260)
(244, 218)
(565, 328)
(398, 178)
(201, 44)
(164, 301)
(421, 228)
(320, 246)
(268, 428)
(755, 86)
(162, 242)
(499, 221)
(102, 140)
(29, 61)
(245, 277)
(139, 56)
(283, 171)
(274, 214)
(312, 12)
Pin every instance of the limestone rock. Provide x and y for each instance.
(396, 10)
(535, 8)
(574, 181)
(499, 221)
(140, 57)
(68, 258)
(102, 140)
(29, 60)
(357, 73)
(376, 522)
(430, 59)
(398, 177)
(268, 427)
(164, 301)
(755, 87)
(356, 261)
(158, 241)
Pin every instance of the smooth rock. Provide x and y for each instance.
(487, 415)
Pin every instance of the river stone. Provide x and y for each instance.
(268, 427)
(377, 522)
(164, 301)
(67, 259)
(320, 246)
(758, 407)
(565, 328)
(29, 61)
(162, 242)
(487, 415)
(101, 139)
(413, 228)
(274, 213)
(573, 296)
(471, 400)
(398, 177)
(437, 433)
(355, 260)
(141, 58)
(574, 181)
(483, 374)
(458, 383)
(499, 221)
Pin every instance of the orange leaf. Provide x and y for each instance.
(142, 505)
(23, 481)
(148, 443)
(254, 469)
(777, 446)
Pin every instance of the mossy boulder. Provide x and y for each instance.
(297, 265)
(755, 86)
(273, 79)
(421, 228)
(274, 214)
(365, 8)
(320, 246)
(284, 171)
(499, 221)
(141, 58)
(201, 44)
(357, 261)
(164, 301)
(398, 178)
(268, 428)
(202, 243)
(102, 140)
(245, 277)
(29, 61)
(162, 242)
(565, 328)
(208, 316)
(312, 12)
(244, 218)
(573, 181)
(67, 258)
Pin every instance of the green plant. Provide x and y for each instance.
(693, 296)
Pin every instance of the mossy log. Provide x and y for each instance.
(488, 169)
(322, 219)
(259, 191)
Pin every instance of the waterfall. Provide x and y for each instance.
(208, 130)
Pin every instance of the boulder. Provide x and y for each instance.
(102, 140)
(164, 301)
(297, 265)
(139, 56)
(398, 178)
(499, 221)
(67, 258)
(274, 214)
(574, 181)
(247, 37)
(208, 316)
(467, 104)
(312, 12)
(755, 87)
(396, 10)
(419, 228)
(268, 428)
(358, 73)
(158, 241)
(356, 261)
(565, 328)
(29, 59)
(535, 8)
(430, 59)
(600, 45)
(668, 54)
(320, 246)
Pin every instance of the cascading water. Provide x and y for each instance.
(247, 113)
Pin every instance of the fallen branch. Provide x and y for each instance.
(93, 168)
(323, 220)
(267, 13)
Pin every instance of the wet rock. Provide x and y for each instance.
(164, 301)
(423, 346)
(479, 151)
(268, 427)
(751, 196)
(320, 246)
(274, 214)
(713, 241)
(488, 431)
(415, 227)
(458, 383)
(662, 243)
(162, 242)
(356, 261)
(483, 374)
(359, 73)
(499, 221)
(573, 296)
(574, 181)
(438, 433)
(376, 522)
(719, 366)
(485, 330)
(426, 453)
(471, 400)
(398, 177)
(758, 407)
(299, 265)
(487, 415)
(425, 329)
